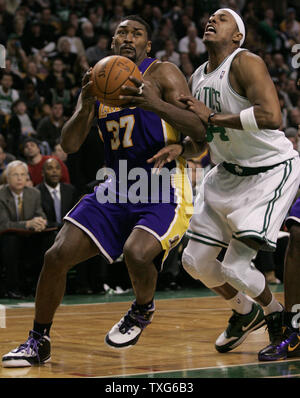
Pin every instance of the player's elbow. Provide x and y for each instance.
(67, 147)
(272, 121)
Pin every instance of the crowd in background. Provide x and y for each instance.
(51, 44)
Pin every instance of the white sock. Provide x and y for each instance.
(241, 303)
(274, 306)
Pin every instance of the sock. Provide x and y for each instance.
(274, 306)
(42, 328)
(241, 303)
(142, 308)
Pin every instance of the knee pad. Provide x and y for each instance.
(239, 271)
(208, 271)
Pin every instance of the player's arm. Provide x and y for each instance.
(252, 80)
(161, 95)
(76, 129)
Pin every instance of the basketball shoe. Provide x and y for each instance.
(128, 330)
(35, 351)
(284, 341)
(239, 326)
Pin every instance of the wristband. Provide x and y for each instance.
(248, 121)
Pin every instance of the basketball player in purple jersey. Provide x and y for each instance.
(144, 232)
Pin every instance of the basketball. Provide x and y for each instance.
(109, 75)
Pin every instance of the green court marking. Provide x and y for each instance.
(290, 368)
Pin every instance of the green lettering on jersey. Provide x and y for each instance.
(211, 130)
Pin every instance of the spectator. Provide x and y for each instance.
(67, 56)
(49, 128)
(32, 100)
(20, 126)
(33, 77)
(58, 71)
(20, 209)
(88, 35)
(76, 43)
(16, 54)
(192, 35)
(34, 41)
(294, 117)
(35, 161)
(16, 75)
(169, 53)
(98, 51)
(57, 197)
(292, 134)
(8, 95)
(5, 159)
(290, 25)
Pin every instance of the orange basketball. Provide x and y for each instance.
(109, 75)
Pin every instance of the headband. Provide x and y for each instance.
(239, 22)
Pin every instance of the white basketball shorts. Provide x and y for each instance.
(255, 206)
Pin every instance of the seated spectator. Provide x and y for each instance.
(8, 96)
(98, 51)
(169, 53)
(192, 35)
(294, 117)
(57, 197)
(20, 210)
(67, 56)
(292, 134)
(5, 159)
(49, 128)
(76, 43)
(57, 71)
(32, 100)
(59, 94)
(88, 35)
(33, 77)
(20, 126)
(290, 25)
(16, 75)
(34, 40)
(35, 161)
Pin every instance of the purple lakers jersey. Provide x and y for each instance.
(133, 134)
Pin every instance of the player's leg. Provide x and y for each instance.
(200, 261)
(289, 346)
(140, 249)
(71, 246)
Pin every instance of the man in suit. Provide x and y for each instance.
(21, 220)
(57, 197)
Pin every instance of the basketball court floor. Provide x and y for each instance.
(178, 344)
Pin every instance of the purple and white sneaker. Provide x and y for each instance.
(127, 331)
(35, 351)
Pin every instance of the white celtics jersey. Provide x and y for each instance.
(245, 148)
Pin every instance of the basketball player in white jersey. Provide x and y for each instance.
(245, 198)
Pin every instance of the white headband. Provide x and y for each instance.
(239, 22)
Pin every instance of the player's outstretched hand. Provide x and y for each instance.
(142, 95)
(196, 106)
(165, 155)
